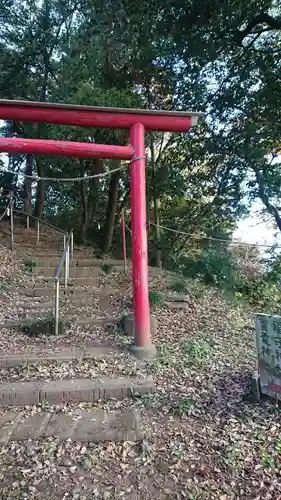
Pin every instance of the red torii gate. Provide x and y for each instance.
(137, 121)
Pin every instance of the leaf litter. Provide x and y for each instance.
(202, 441)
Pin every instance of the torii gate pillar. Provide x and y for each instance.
(139, 241)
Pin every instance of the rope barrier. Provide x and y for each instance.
(36, 178)
(232, 242)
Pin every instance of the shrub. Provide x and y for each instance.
(262, 295)
(214, 267)
(156, 298)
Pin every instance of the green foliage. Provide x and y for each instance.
(273, 459)
(164, 353)
(195, 352)
(213, 266)
(191, 353)
(29, 265)
(164, 359)
(233, 457)
(179, 286)
(150, 401)
(156, 298)
(262, 295)
(184, 406)
(107, 268)
(273, 264)
(267, 462)
(56, 51)
(44, 326)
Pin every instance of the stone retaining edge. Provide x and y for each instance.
(49, 356)
(63, 391)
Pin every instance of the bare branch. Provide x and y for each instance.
(263, 18)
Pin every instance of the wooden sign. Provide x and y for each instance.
(268, 340)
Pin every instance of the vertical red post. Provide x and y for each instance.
(124, 240)
(139, 239)
(12, 221)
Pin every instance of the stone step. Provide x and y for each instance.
(86, 262)
(92, 291)
(35, 304)
(49, 356)
(34, 255)
(67, 311)
(80, 261)
(89, 320)
(74, 272)
(49, 261)
(72, 307)
(49, 253)
(44, 248)
(41, 292)
(30, 234)
(50, 292)
(79, 425)
(64, 391)
(72, 299)
(26, 301)
(50, 282)
(38, 313)
(29, 238)
(68, 317)
(74, 288)
(84, 281)
(177, 305)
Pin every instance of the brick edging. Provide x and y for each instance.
(71, 390)
(49, 356)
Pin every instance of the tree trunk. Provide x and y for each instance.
(28, 185)
(89, 196)
(40, 191)
(84, 204)
(272, 210)
(158, 257)
(89, 204)
(122, 203)
(111, 211)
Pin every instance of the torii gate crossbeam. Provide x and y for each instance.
(137, 121)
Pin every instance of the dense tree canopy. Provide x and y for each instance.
(218, 56)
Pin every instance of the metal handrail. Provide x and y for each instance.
(41, 221)
(64, 260)
(28, 216)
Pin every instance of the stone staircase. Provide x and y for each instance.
(93, 298)
(85, 301)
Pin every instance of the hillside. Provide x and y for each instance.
(200, 439)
